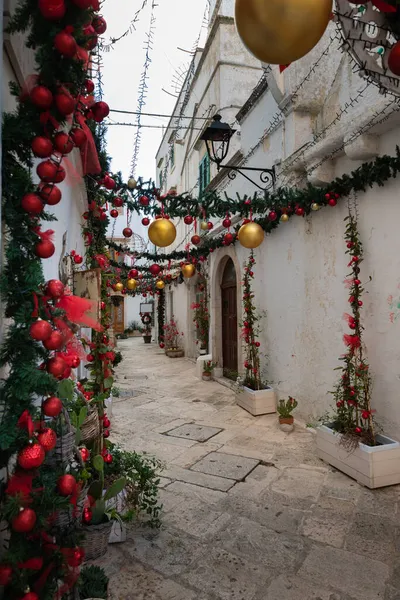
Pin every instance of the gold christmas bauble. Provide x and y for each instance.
(132, 183)
(204, 225)
(251, 235)
(118, 287)
(188, 270)
(162, 232)
(281, 31)
(160, 285)
(131, 284)
(284, 218)
(315, 206)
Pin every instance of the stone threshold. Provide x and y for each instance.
(228, 383)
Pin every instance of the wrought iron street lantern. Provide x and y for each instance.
(217, 138)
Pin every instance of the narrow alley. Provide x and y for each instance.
(249, 512)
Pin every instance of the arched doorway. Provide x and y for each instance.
(229, 319)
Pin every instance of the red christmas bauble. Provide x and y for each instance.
(50, 194)
(41, 146)
(145, 221)
(106, 433)
(52, 407)
(133, 273)
(78, 136)
(108, 182)
(394, 59)
(196, 240)
(64, 102)
(31, 457)
(89, 86)
(40, 330)
(91, 37)
(114, 213)
(78, 259)
(210, 225)
(99, 25)
(5, 574)
(65, 43)
(87, 515)
(228, 238)
(75, 556)
(100, 111)
(90, 357)
(332, 201)
(188, 220)
(32, 203)
(45, 249)
(226, 223)
(67, 373)
(55, 342)
(82, 56)
(118, 202)
(299, 211)
(144, 201)
(127, 232)
(85, 454)
(41, 97)
(25, 520)
(63, 143)
(56, 366)
(162, 345)
(108, 458)
(155, 270)
(47, 439)
(75, 362)
(53, 10)
(30, 596)
(106, 422)
(272, 215)
(55, 288)
(47, 171)
(66, 485)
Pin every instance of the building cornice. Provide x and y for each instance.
(253, 99)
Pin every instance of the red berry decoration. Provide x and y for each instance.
(5, 574)
(394, 59)
(41, 97)
(145, 221)
(272, 215)
(196, 240)
(118, 202)
(155, 270)
(55, 342)
(127, 232)
(64, 102)
(40, 330)
(50, 194)
(78, 136)
(114, 213)
(56, 366)
(52, 407)
(228, 238)
(53, 10)
(89, 85)
(144, 201)
(25, 520)
(65, 44)
(63, 143)
(85, 454)
(31, 457)
(226, 223)
(78, 259)
(32, 203)
(66, 485)
(188, 220)
(41, 146)
(106, 422)
(47, 439)
(99, 25)
(55, 288)
(45, 249)
(87, 516)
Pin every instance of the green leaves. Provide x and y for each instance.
(115, 488)
(98, 463)
(65, 389)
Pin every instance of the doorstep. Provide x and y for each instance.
(228, 383)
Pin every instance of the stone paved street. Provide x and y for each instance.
(250, 513)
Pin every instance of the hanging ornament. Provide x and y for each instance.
(132, 183)
(78, 259)
(131, 284)
(228, 238)
(31, 457)
(45, 249)
(133, 274)
(118, 287)
(188, 270)
(315, 206)
(272, 216)
(24, 521)
(144, 201)
(87, 515)
(53, 10)
(106, 421)
(160, 285)
(284, 218)
(204, 226)
(30, 596)
(127, 232)
(50, 194)
(63, 143)
(40, 330)
(56, 366)
(145, 221)
(226, 223)
(251, 235)
(332, 201)
(55, 288)
(50, 172)
(394, 59)
(65, 44)
(52, 407)
(89, 85)
(162, 233)
(91, 37)
(210, 225)
(78, 136)
(55, 342)
(74, 556)
(64, 102)
(5, 574)
(109, 183)
(99, 25)
(196, 240)
(47, 439)
(155, 270)
(162, 345)
(118, 202)
(114, 213)
(299, 211)
(100, 111)
(41, 97)
(188, 220)
(108, 457)
(32, 203)
(66, 485)
(106, 433)
(281, 31)
(85, 454)
(75, 362)
(41, 146)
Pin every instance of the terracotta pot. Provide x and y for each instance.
(286, 423)
(207, 376)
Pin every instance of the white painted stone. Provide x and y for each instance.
(200, 364)
(257, 402)
(364, 147)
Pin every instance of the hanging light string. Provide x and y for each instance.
(106, 47)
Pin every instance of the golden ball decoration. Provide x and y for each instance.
(279, 32)
(162, 233)
(251, 235)
(131, 284)
(284, 218)
(132, 183)
(188, 270)
(315, 206)
(118, 287)
(160, 285)
(204, 226)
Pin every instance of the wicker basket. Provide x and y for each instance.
(90, 428)
(64, 449)
(96, 540)
(73, 514)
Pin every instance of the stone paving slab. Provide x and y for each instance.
(198, 433)
(225, 465)
(294, 588)
(208, 481)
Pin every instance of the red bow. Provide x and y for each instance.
(25, 422)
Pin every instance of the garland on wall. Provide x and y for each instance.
(251, 331)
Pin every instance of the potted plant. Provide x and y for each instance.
(208, 368)
(146, 320)
(285, 409)
(348, 440)
(172, 338)
(201, 316)
(93, 583)
(254, 395)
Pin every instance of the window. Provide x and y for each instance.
(204, 173)
(172, 155)
(161, 180)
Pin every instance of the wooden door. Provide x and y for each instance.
(229, 320)
(119, 318)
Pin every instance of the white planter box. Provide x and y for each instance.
(372, 466)
(260, 402)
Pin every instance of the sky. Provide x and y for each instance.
(178, 24)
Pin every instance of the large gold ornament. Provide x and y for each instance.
(162, 232)
(251, 235)
(118, 287)
(160, 285)
(132, 183)
(188, 270)
(204, 225)
(281, 31)
(131, 284)
(284, 218)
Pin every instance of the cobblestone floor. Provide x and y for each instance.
(250, 513)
